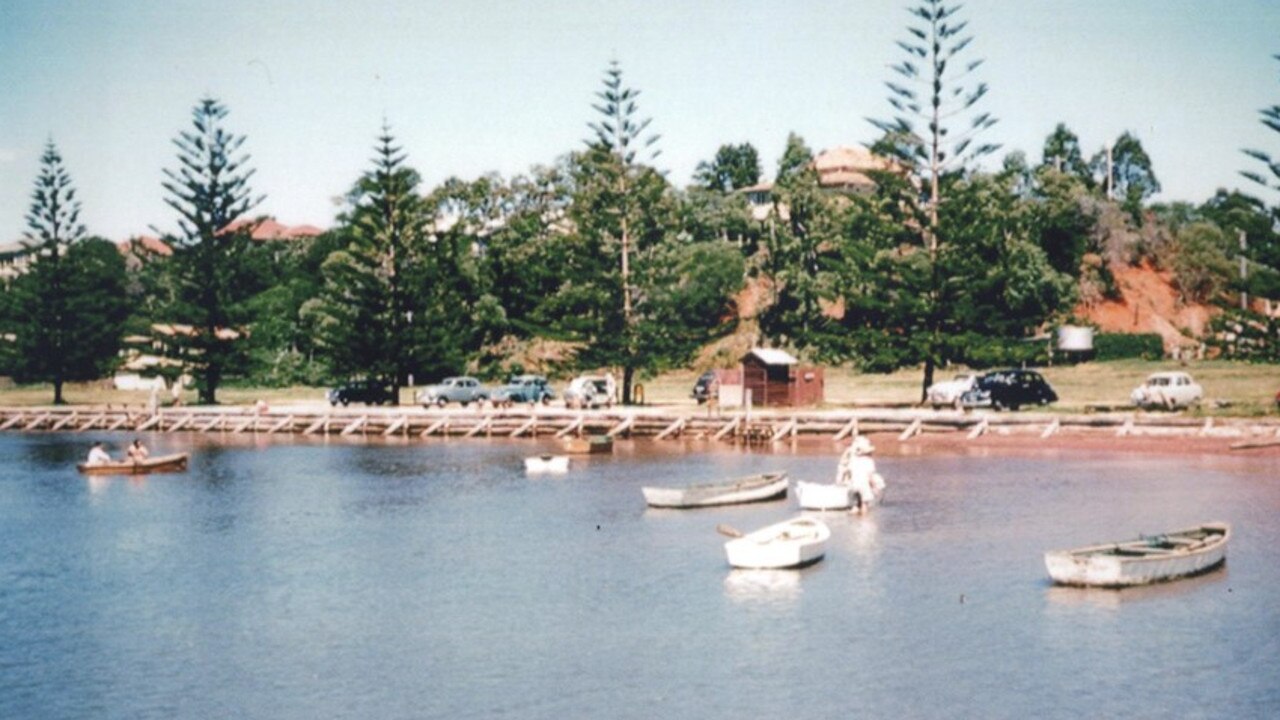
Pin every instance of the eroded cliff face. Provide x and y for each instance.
(1148, 302)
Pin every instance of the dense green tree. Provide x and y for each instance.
(1128, 174)
(69, 315)
(933, 136)
(615, 170)
(734, 167)
(210, 192)
(365, 315)
(1062, 153)
(66, 312)
(801, 238)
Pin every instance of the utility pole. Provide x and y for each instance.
(1244, 270)
(1109, 171)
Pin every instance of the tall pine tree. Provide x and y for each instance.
(210, 191)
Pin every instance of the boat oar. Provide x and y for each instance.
(728, 531)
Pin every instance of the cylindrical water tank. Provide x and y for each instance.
(1074, 338)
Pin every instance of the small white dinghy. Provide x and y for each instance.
(824, 496)
(792, 543)
(755, 488)
(547, 464)
(1149, 559)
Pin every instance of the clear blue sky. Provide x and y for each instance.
(474, 86)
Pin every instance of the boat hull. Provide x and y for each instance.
(821, 496)
(159, 464)
(1172, 556)
(757, 488)
(792, 544)
(594, 445)
(547, 464)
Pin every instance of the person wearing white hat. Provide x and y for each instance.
(858, 471)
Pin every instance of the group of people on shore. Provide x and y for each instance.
(136, 452)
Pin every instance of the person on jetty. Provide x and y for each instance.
(858, 471)
(137, 452)
(98, 455)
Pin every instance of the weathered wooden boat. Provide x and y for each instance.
(755, 488)
(590, 445)
(792, 543)
(160, 463)
(825, 496)
(1148, 559)
(547, 464)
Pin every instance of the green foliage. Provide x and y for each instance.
(1201, 269)
(1120, 346)
(734, 167)
(1132, 178)
(210, 278)
(68, 315)
(1062, 153)
(1270, 177)
(1246, 335)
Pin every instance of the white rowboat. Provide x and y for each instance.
(823, 496)
(1149, 559)
(790, 544)
(547, 464)
(756, 488)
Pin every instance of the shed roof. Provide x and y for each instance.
(772, 356)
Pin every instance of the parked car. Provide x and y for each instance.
(705, 387)
(590, 391)
(370, 392)
(948, 392)
(523, 389)
(1009, 389)
(1169, 390)
(463, 390)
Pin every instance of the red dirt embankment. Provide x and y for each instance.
(1149, 303)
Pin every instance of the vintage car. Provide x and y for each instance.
(1009, 389)
(948, 392)
(463, 390)
(370, 392)
(705, 387)
(1168, 390)
(523, 389)
(590, 391)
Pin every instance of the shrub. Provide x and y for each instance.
(1119, 346)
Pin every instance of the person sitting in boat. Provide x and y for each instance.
(858, 471)
(137, 452)
(98, 455)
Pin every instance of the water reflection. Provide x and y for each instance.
(763, 585)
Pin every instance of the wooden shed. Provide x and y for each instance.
(775, 378)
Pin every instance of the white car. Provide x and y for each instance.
(1169, 390)
(590, 391)
(948, 392)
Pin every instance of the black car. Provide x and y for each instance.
(370, 392)
(1009, 389)
(704, 387)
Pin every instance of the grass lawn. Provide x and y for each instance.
(1231, 388)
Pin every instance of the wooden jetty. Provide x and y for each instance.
(659, 424)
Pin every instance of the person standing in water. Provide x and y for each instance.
(858, 470)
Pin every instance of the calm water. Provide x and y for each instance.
(436, 580)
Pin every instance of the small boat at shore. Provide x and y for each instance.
(1148, 559)
(160, 463)
(792, 543)
(590, 445)
(754, 488)
(826, 496)
(547, 464)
